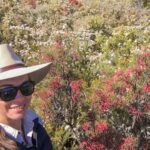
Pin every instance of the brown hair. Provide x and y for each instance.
(6, 143)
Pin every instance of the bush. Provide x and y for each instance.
(99, 83)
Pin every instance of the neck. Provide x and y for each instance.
(13, 123)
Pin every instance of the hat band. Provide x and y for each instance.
(15, 66)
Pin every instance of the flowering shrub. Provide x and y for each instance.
(97, 96)
(117, 112)
(126, 112)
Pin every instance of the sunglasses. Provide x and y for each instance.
(9, 92)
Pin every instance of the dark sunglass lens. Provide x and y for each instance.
(27, 88)
(8, 93)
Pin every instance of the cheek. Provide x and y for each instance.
(3, 107)
(28, 100)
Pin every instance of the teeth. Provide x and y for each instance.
(18, 107)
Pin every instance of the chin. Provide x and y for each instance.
(17, 117)
(17, 114)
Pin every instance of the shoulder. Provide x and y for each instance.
(40, 136)
(30, 116)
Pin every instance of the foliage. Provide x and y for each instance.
(98, 88)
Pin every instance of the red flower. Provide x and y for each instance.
(75, 88)
(101, 127)
(46, 94)
(84, 143)
(104, 102)
(75, 3)
(143, 60)
(147, 88)
(55, 84)
(75, 85)
(92, 145)
(146, 107)
(86, 126)
(135, 112)
(128, 144)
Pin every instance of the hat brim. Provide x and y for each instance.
(36, 73)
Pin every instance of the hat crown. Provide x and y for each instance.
(8, 56)
(12, 66)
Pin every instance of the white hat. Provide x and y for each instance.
(12, 66)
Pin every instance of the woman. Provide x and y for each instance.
(20, 128)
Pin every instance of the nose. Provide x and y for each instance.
(19, 95)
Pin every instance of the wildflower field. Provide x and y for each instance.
(97, 94)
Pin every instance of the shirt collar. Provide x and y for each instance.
(28, 128)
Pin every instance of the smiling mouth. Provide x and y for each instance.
(18, 107)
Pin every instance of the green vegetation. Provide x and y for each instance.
(100, 73)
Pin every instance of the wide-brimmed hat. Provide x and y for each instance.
(12, 66)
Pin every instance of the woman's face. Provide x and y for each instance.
(16, 108)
